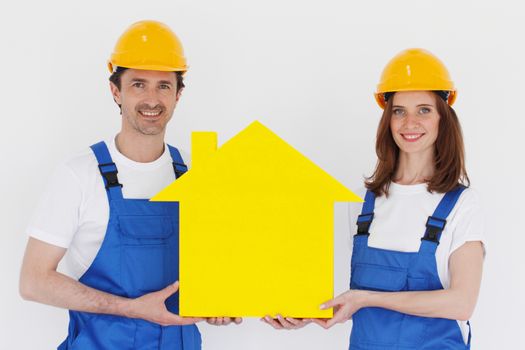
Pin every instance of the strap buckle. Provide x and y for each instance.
(363, 224)
(110, 175)
(180, 169)
(434, 228)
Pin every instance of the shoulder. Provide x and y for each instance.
(470, 196)
(79, 170)
(81, 164)
(467, 221)
(469, 201)
(468, 209)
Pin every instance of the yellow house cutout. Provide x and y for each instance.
(256, 228)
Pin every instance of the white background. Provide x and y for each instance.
(306, 69)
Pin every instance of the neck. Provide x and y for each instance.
(414, 168)
(140, 148)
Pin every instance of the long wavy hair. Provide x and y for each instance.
(449, 153)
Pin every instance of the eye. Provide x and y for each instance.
(164, 86)
(138, 85)
(424, 110)
(398, 111)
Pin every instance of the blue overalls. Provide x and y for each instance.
(392, 271)
(139, 255)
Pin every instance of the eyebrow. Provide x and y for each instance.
(420, 105)
(140, 80)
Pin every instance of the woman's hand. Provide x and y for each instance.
(285, 322)
(223, 321)
(345, 305)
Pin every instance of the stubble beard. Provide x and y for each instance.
(144, 127)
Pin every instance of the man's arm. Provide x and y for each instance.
(40, 282)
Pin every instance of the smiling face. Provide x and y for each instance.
(147, 100)
(415, 121)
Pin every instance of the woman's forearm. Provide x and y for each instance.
(445, 303)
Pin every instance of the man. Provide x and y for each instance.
(122, 250)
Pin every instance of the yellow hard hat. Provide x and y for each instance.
(148, 45)
(413, 70)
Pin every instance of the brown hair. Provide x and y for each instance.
(449, 153)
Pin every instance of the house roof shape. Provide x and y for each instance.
(256, 160)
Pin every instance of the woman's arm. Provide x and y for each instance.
(456, 302)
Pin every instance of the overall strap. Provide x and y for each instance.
(436, 223)
(367, 214)
(178, 164)
(108, 170)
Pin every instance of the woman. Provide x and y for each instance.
(418, 252)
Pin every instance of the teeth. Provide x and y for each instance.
(412, 137)
(150, 114)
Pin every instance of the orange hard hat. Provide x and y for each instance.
(148, 45)
(413, 70)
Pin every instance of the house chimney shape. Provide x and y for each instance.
(203, 146)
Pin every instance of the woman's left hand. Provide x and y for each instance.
(223, 321)
(345, 305)
(285, 322)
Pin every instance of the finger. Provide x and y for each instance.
(174, 319)
(184, 321)
(284, 323)
(273, 322)
(211, 320)
(227, 321)
(338, 317)
(297, 322)
(331, 303)
(170, 290)
(237, 320)
(331, 322)
(320, 322)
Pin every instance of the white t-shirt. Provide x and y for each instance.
(399, 224)
(73, 211)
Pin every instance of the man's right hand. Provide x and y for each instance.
(151, 307)
(41, 282)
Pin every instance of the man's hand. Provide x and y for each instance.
(151, 307)
(40, 282)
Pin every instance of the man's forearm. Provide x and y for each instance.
(62, 291)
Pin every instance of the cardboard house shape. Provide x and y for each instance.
(256, 228)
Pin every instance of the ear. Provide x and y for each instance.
(115, 92)
(179, 94)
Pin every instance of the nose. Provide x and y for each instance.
(151, 97)
(411, 120)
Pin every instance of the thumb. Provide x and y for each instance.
(330, 303)
(170, 290)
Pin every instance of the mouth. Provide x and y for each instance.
(150, 114)
(412, 137)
